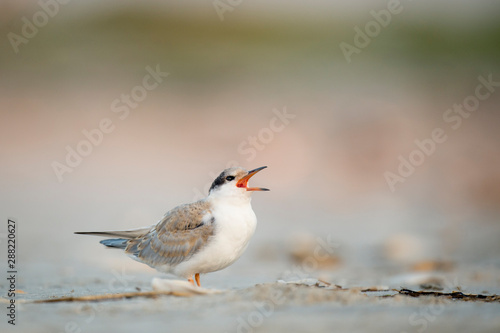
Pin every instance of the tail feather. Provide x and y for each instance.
(127, 234)
(123, 236)
(119, 243)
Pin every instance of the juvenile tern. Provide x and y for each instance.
(196, 238)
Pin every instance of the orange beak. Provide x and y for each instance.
(243, 182)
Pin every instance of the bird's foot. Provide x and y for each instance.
(197, 277)
(190, 280)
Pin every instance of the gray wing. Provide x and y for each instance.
(178, 236)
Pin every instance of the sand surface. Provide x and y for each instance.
(299, 305)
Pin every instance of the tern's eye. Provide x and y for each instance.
(229, 178)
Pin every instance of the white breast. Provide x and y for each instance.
(234, 226)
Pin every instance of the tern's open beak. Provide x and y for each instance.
(243, 182)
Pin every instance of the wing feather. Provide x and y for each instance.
(178, 236)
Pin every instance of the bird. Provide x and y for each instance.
(199, 237)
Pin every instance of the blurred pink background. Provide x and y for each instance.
(326, 166)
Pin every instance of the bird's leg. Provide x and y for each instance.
(197, 277)
(191, 280)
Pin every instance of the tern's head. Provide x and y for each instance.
(234, 182)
